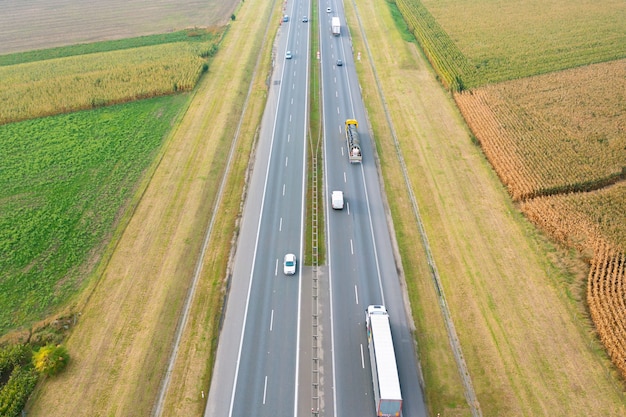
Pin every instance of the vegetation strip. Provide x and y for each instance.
(205, 245)
(71, 177)
(80, 82)
(470, 394)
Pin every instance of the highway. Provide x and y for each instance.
(263, 361)
(362, 269)
(257, 360)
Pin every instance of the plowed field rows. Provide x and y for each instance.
(555, 133)
(42, 24)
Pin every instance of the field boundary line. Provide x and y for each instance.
(470, 394)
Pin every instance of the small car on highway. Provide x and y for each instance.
(305, 19)
(289, 264)
(336, 200)
(339, 62)
(288, 55)
(328, 10)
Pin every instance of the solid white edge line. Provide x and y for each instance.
(362, 357)
(256, 245)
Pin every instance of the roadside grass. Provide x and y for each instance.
(195, 362)
(65, 182)
(400, 23)
(514, 299)
(315, 148)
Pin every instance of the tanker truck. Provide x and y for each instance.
(352, 140)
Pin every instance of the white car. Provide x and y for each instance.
(288, 55)
(289, 265)
(336, 200)
(328, 10)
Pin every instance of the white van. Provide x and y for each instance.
(337, 200)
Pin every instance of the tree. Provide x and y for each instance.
(51, 359)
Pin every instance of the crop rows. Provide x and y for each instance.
(582, 220)
(503, 40)
(606, 297)
(520, 149)
(450, 64)
(552, 134)
(593, 223)
(68, 84)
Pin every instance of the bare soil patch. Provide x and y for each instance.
(40, 24)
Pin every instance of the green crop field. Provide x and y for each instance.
(476, 42)
(84, 77)
(195, 36)
(64, 181)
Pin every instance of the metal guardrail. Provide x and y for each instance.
(315, 398)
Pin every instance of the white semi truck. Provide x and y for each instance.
(385, 379)
(335, 25)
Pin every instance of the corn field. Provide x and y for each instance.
(582, 220)
(555, 133)
(471, 43)
(450, 64)
(62, 85)
(606, 297)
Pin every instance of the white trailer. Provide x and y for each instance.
(383, 360)
(335, 25)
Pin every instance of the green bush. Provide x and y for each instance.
(51, 359)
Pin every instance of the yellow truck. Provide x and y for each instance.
(352, 140)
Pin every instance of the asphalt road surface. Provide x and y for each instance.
(264, 357)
